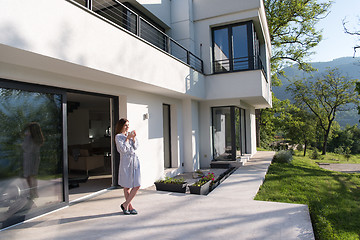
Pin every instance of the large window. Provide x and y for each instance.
(31, 153)
(234, 48)
(229, 133)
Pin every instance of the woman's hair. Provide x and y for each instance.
(120, 125)
(35, 132)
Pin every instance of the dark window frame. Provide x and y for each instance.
(30, 87)
(250, 40)
(232, 131)
(168, 106)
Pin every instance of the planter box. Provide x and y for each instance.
(200, 190)
(181, 188)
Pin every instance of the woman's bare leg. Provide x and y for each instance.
(126, 195)
(130, 197)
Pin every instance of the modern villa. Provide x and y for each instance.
(187, 74)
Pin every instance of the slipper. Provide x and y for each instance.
(133, 211)
(126, 212)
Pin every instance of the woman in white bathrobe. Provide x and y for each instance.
(129, 169)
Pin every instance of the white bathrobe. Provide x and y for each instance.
(129, 169)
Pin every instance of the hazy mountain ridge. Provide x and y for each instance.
(348, 67)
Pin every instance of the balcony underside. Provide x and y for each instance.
(248, 86)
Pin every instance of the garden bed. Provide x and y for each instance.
(220, 176)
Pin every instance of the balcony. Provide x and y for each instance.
(125, 18)
(239, 64)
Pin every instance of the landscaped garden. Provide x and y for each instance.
(333, 197)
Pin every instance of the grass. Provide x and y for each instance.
(333, 197)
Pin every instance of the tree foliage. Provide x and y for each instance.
(326, 95)
(266, 121)
(292, 31)
(346, 138)
(298, 125)
(353, 32)
(358, 90)
(293, 35)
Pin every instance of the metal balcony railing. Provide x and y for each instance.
(239, 64)
(122, 16)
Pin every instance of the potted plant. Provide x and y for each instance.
(171, 185)
(202, 186)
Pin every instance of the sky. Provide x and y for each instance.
(336, 43)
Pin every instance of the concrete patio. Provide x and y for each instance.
(228, 212)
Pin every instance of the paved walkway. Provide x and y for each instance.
(341, 167)
(228, 212)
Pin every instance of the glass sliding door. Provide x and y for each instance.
(229, 133)
(31, 153)
(222, 141)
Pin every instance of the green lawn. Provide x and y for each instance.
(333, 197)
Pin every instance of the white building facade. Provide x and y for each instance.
(187, 74)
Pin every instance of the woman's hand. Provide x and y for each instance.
(131, 135)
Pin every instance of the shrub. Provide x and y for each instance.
(315, 154)
(339, 150)
(300, 147)
(283, 156)
(171, 180)
(347, 153)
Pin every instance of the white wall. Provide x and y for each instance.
(59, 30)
(133, 104)
(204, 9)
(249, 86)
(195, 136)
(251, 134)
(182, 23)
(54, 48)
(160, 8)
(150, 132)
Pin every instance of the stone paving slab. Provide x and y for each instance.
(228, 212)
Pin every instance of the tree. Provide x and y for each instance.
(358, 90)
(328, 94)
(292, 31)
(352, 32)
(298, 125)
(265, 128)
(343, 138)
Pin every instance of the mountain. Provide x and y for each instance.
(348, 67)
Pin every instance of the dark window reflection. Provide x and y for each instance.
(30, 153)
(229, 133)
(222, 133)
(240, 48)
(232, 46)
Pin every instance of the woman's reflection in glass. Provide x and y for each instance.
(33, 140)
